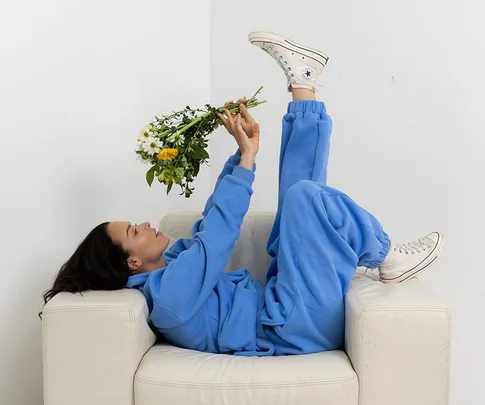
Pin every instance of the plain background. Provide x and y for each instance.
(404, 87)
(78, 80)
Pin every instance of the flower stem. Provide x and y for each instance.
(195, 121)
(251, 103)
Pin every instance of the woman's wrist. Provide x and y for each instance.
(247, 160)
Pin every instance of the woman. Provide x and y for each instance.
(319, 238)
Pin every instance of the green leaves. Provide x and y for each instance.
(166, 176)
(151, 175)
(200, 153)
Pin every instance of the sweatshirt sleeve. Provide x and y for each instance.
(229, 166)
(180, 290)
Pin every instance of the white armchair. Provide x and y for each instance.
(99, 349)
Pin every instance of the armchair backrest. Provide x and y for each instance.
(250, 250)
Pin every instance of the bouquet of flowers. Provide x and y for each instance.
(175, 145)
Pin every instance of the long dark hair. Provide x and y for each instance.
(97, 264)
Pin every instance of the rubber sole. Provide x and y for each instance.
(271, 37)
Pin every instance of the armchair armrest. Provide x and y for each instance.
(92, 346)
(398, 340)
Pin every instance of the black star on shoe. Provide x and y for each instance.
(308, 74)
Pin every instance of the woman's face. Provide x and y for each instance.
(143, 243)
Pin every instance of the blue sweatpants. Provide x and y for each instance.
(318, 239)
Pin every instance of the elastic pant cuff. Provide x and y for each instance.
(307, 106)
(386, 244)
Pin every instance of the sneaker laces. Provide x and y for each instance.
(415, 246)
(279, 59)
(284, 64)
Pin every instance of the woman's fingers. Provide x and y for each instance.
(256, 130)
(245, 113)
(225, 123)
(239, 127)
(241, 100)
(222, 118)
(230, 119)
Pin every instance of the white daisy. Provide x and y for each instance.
(179, 139)
(147, 130)
(171, 138)
(152, 145)
(146, 133)
(140, 159)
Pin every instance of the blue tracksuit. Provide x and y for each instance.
(318, 239)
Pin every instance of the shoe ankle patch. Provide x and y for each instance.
(308, 74)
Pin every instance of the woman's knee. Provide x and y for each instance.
(301, 192)
(309, 188)
(303, 186)
(304, 191)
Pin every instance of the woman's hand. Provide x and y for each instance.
(247, 121)
(235, 124)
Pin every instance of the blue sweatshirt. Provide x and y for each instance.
(192, 302)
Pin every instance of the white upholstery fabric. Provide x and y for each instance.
(92, 345)
(176, 376)
(397, 341)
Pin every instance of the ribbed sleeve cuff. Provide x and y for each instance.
(244, 174)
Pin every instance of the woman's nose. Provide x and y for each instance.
(146, 225)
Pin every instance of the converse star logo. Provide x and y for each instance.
(308, 74)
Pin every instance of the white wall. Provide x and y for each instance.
(77, 82)
(78, 79)
(405, 89)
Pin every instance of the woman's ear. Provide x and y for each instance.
(134, 263)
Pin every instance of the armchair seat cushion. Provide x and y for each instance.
(172, 375)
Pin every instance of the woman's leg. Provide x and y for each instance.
(324, 236)
(305, 144)
(320, 235)
(306, 126)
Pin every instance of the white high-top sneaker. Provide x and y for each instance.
(408, 260)
(302, 65)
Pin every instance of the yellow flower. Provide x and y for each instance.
(167, 154)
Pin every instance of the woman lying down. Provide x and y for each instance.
(319, 237)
